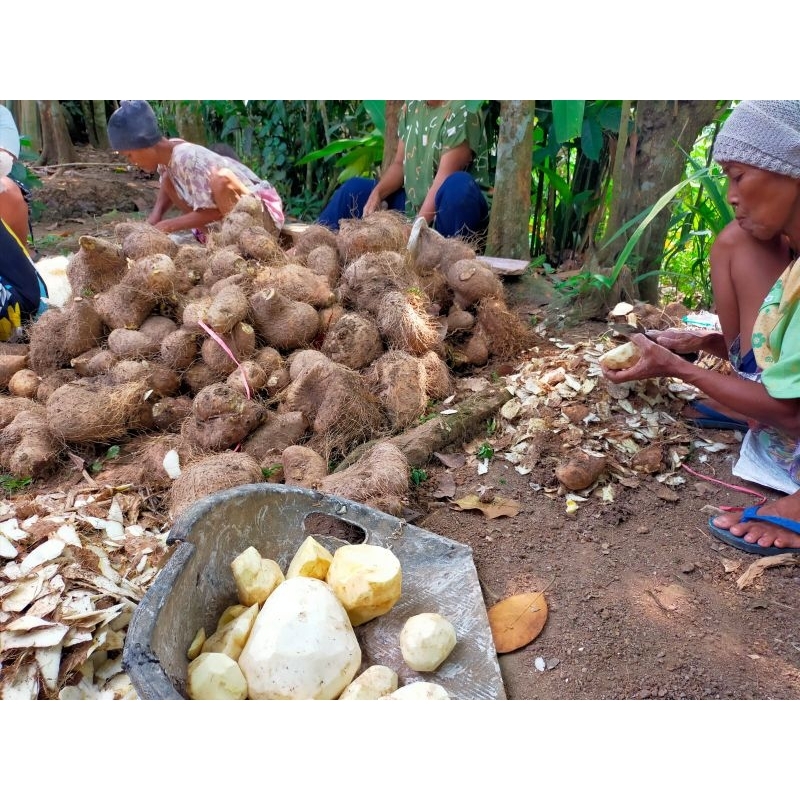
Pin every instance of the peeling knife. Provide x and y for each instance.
(626, 329)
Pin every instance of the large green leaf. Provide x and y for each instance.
(377, 113)
(591, 139)
(568, 119)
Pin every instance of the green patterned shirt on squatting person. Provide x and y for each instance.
(428, 131)
(776, 347)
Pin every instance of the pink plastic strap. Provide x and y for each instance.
(762, 498)
(227, 349)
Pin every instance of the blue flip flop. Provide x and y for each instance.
(714, 419)
(748, 515)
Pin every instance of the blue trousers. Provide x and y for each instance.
(461, 208)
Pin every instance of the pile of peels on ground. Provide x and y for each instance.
(579, 436)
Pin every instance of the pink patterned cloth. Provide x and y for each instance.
(190, 169)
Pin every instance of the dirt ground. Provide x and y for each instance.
(643, 602)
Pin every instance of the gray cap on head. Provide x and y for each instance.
(763, 134)
(133, 126)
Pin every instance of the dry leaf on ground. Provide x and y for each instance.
(498, 507)
(517, 621)
(757, 568)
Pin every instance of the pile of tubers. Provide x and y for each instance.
(245, 361)
(291, 637)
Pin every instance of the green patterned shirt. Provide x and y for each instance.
(426, 133)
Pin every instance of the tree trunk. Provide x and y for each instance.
(390, 132)
(511, 204)
(94, 118)
(654, 162)
(56, 145)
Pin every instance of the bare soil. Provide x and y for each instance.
(643, 601)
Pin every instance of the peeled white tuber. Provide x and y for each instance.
(255, 577)
(196, 647)
(231, 612)
(426, 640)
(421, 690)
(215, 676)
(367, 580)
(622, 357)
(373, 683)
(302, 646)
(311, 560)
(231, 637)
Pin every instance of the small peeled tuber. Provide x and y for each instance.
(256, 578)
(215, 676)
(366, 579)
(230, 638)
(426, 640)
(311, 560)
(622, 357)
(196, 647)
(373, 683)
(230, 613)
(420, 690)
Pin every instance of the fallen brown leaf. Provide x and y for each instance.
(757, 568)
(517, 621)
(498, 507)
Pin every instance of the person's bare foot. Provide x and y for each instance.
(765, 534)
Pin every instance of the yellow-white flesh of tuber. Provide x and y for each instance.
(231, 612)
(215, 676)
(196, 647)
(622, 357)
(426, 640)
(302, 646)
(255, 577)
(231, 638)
(310, 561)
(421, 690)
(367, 579)
(373, 683)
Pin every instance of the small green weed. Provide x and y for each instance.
(491, 426)
(268, 472)
(111, 454)
(11, 484)
(485, 451)
(418, 476)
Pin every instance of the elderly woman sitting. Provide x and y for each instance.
(759, 150)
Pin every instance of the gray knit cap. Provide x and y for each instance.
(763, 134)
(133, 126)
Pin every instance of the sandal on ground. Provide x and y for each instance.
(751, 514)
